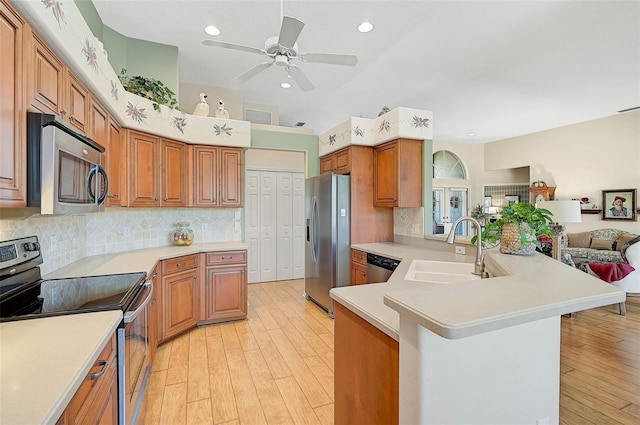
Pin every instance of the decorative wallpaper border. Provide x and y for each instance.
(398, 123)
(65, 30)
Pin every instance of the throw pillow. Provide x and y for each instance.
(579, 240)
(623, 239)
(604, 244)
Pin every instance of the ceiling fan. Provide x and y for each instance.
(283, 50)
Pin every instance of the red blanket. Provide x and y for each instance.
(611, 272)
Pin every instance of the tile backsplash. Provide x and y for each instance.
(408, 221)
(68, 238)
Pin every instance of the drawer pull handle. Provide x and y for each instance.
(178, 264)
(104, 365)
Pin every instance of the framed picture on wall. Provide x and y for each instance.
(509, 200)
(486, 203)
(619, 204)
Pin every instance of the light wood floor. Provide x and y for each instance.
(277, 366)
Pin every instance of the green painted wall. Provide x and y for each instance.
(90, 15)
(290, 141)
(138, 57)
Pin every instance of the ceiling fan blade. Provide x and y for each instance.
(252, 72)
(233, 46)
(330, 58)
(289, 31)
(301, 80)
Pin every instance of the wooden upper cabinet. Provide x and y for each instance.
(326, 163)
(98, 128)
(231, 177)
(218, 177)
(77, 104)
(174, 175)
(397, 174)
(143, 160)
(13, 177)
(206, 169)
(338, 162)
(46, 78)
(115, 164)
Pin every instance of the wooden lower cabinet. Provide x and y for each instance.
(96, 401)
(180, 295)
(358, 267)
(365, 373)
(224, 293)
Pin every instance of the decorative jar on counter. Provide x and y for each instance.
(183, 235)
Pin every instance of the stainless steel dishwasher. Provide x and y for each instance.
(379, 268)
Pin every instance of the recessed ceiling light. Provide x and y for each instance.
(471, 134)
(365, 27)
(211, 30)
(285, 85)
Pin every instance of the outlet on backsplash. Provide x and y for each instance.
(205, 226)
(415, 229)
(126, 231)
(53, 243)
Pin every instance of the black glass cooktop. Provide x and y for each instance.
(72, 295)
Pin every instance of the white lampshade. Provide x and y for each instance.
(563, 211)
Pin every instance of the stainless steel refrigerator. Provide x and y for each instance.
(327, 247)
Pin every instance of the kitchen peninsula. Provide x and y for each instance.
(474, 351)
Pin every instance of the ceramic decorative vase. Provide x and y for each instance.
(510, 240)
(183, 235)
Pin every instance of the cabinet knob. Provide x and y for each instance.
(63, 112)
(178, 264)
(155, 199)
(165, 199)
(195, 277)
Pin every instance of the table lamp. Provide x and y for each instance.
(563, 212)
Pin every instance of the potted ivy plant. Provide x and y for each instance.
(149, 88)
(518, 229)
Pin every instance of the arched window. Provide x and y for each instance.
(447, 165)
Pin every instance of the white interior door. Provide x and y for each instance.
(298, 224)
(285, 226)
(449, 204)
(252, 224)
(275, 225)
(268, 229)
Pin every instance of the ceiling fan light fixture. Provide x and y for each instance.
(285, 85)
(365, 27)
(212, 30)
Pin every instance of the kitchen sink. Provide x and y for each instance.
(440, 271)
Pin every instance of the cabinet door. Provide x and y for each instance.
(206, 176)
(13, 177)
(358, 274)
(98, 124)
(343, 161)
(77, 103)
(143, 162)
(326, 163)
(179, 302)
(174, 175)
(231, 177)
(46, 78)
(385, 191)
(226, 293)
(115, 164)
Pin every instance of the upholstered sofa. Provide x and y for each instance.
(596, 246)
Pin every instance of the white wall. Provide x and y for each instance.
(581, 160)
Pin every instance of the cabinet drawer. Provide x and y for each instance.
(86, 393)
(226, 257)
(359, 257)
(179, 264)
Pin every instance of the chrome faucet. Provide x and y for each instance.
(479, 264)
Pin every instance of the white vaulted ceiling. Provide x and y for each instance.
(494, 68)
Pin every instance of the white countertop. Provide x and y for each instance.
(141, 260)
(537, 287)
(44, 361)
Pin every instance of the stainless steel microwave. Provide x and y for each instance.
(64, 168)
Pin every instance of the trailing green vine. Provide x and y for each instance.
(149, 88)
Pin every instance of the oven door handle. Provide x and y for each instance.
(130, 316)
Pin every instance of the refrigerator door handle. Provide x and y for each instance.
(314, 230)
